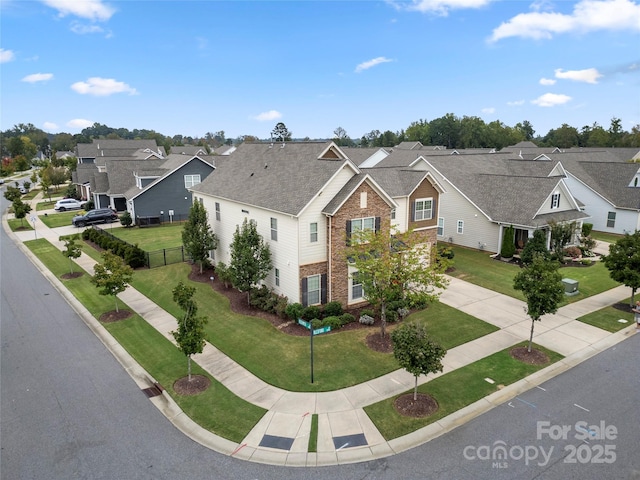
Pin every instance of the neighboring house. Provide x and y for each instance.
(103, 147)
(163, 193)
(481, 195)
(191, 150)
(307, 199)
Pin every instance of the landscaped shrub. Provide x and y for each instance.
(366, 319)
(260, 298)
(316, 323)
(392, 316)
(368, 312)
(536, 245)
(224, 274)
(281, 305)
(573, 252)
(346, 318)
(294, 311)
(135, 257)
(333, 322)
(508, 245)
(402, 313)
(125, 219)
(586, 229)
(333, 309)
(311, 312)
(586, 261)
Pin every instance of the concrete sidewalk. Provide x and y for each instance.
(345, 432)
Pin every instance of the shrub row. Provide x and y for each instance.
(269, 301)
(133, 255)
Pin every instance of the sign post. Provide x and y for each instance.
(312, 333)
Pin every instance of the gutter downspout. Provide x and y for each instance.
(329, 275)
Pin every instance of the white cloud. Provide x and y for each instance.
(547, 81)
(79, 123)
(489, 110)
(38, 77)
(95, 10)
(83, 29)
(515, 103)
(49, 126)
(265, 116)
(372, 63)
(6, 55)
(102, 87)
(551, 100)
(587, 16)
(590, 75)
(439, 7)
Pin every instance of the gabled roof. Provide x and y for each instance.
(84, 172)
(349, 188)
(358, 155)
(273, 177)
(609, 180)
(190, 150)
(104, 147)
(398, 183)
(121, 173)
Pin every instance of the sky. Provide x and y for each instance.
(190, 67)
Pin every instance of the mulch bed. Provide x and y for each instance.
(423, 406)
(622, 306)
(68, 276)
(534, 357)
(113, 316)
(238, 304)
(375, 341)
(197, 384)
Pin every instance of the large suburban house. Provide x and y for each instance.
(307, 199)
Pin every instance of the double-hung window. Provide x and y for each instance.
(460, 229)
(440, 232)
(313, 290)
(191, 180)
(611, 219)
(277, 275)
(423, 209)
(356, 286)
(274, 229)
(367, 223)
(313, 232)
(217, 211)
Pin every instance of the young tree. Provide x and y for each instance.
(541, 284)
(416, 352)
(71, 249)
(20, 209)
(45, 184)
(197, 237)
(394, 265)
(250, 258)
(623, 262)
(12, 193)
(112, 276)
(561, 235)
(56, 175)
(190, 335)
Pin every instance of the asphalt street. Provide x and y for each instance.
(68, 409)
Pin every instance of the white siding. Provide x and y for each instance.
(402, 214)
(565, 203)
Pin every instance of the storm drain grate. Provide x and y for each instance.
(348, 441)
(281, 443)
(153, 391)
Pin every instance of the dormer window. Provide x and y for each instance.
(555, 200)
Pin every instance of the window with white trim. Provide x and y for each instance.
(313, 290)
(393, 214)
(423, 209)
(356, 286)
(313, 232)
(217, 211)
(368, 223)
(460, 228)
(274, 229)
(440, 226)
(611, 219)
(277, 275)
(191, 180)
(555, 200)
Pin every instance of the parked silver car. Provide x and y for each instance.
(68, 204)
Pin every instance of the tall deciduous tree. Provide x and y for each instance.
(416, 352)
(541, 284)
(197, 237)
(71, 249)
(250, 257)
(112, 276)
(190, 335)
(281, 133)
(623, 262)
(393, 266)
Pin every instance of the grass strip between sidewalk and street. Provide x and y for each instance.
(607, 319)
(217, 409)
(456, 389)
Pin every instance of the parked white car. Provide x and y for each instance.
(68, 204)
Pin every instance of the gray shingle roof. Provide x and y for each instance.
(397, 183)
(279, 179)
(104, 147)
(121, 173)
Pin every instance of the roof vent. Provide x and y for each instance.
(251, 174)
(265, 165)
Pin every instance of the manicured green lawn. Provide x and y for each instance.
(17, 224)
(48, 205)
(455, 390)
(480, 269)
(605, 236)
(59, 219)
(216, 409)
(607, 319)
(341, 358)
(149, 239)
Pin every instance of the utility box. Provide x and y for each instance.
(570, 287)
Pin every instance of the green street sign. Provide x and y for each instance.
(318, 331)
(304, 323)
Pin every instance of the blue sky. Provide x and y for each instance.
(192, 67)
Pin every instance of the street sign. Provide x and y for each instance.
(304, 323)
(318, 331)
